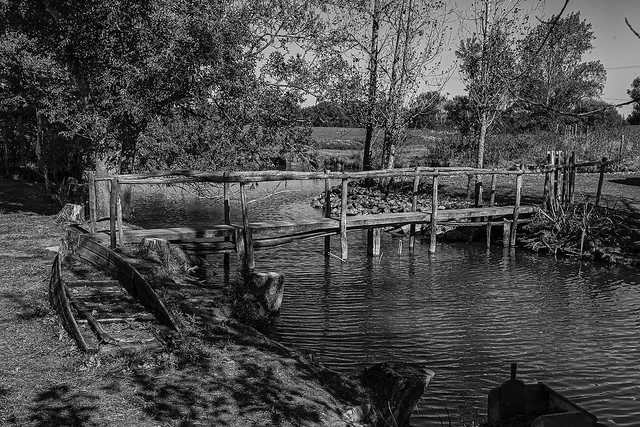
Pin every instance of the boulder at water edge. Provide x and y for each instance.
(396, 389)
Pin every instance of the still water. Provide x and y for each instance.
(466, 313)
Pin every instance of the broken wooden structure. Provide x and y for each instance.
(103, 302)
(245, 237)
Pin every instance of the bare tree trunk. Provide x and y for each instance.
(373, 82)
(484, 124)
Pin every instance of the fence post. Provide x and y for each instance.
(343, 220)
(434, 215)
(603, 167)
(414, 208)
(249, 260)
(327, 213)
(119, 212)
(572, 177)
(516, 210)
(227, 218)
(113, 196)
(546, 196)
(492, 202)
(93, 205)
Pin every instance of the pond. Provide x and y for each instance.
(465, 312)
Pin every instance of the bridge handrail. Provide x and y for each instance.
(186, 176)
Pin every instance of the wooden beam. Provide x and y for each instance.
(434, 215)
(93, 204)
(373, 241)
(119, 212)
(327, 213)
(603, 167)
(343, 220)
(249, 260)
(227, 220)
(516, 211)
(113, 207)
(414, 208)
(492, 202)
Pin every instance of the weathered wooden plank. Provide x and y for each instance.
(249, 259)
(434, 215)
(60, 303)
(93, 207)
(112, 212)
(171, 234)
(343, 220)
(319, 224)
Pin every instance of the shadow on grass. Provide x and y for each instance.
(59, 406)
(22, 196)
(634, 181)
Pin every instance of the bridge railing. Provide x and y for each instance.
(243, 178)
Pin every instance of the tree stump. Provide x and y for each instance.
(71, 214)
(172, 258)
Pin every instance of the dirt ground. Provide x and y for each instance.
(220, 375)
(223, 375)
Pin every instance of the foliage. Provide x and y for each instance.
(634, 93)
(152, 84)
(554, 76)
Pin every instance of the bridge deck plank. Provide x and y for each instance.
(315, 225)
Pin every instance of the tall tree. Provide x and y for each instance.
(554, 76)
(487, 61)
(634, 93)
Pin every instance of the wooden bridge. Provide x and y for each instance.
(245, 237)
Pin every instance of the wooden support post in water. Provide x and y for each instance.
(506, 233)
(565, 177)
(603, 167)
(343, 220)
(434, 215)
(414, 207)
(112, 213)
(249, 260)
(327, 213)
(373, 241)
(556, 173)
(227, 219)
(119, 212)
(492, 202)
(516, 211)
(93, 205)
(572, 177)
(546, 195)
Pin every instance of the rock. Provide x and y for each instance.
(72, 214)
(396, 388)
(268, 288)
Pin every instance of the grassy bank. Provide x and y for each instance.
(222, 374)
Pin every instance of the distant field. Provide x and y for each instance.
(337, 146)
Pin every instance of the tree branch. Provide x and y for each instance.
(631, 28)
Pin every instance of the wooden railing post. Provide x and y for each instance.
(249, 260)
(327, 213)
(119, 212)
(343, 220)
(227, 219)
(572, 177)
(434, 215)
(414, 208)
(112, 212)
(546, 195)
(556, 176)
(93, 204)
(603, 167)
(516, 210)
(492, 202)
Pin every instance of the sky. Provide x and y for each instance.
(615, 45)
